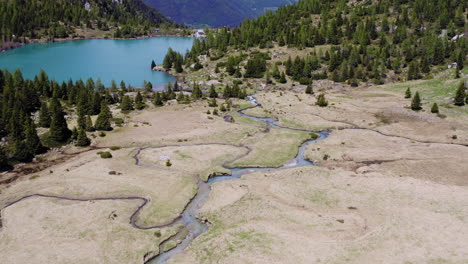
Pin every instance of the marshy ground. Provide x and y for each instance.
(390, 185)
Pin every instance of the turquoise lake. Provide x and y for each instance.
(127, 60)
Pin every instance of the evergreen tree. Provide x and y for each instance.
(44, 116)
(89, 124)
(460, 95)
(22, 153)
(435, 108)
(212, 92)
(460, 65)
(139, 104)
(103, 119)
(153, 64)
(126, 104)
(321, 101)
(416, 102)
(58, 132)
(212, 103)
(81, 120)
(309, 89)
(157, 99)
(33, 143)
(149, 87)
(283, 78)
(4, 161)
(82, 140)
(408, 93)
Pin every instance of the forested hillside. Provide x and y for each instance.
(35, 19)
(358, 40)
(216, 13)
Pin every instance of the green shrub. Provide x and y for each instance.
(105, 155)
(115, 148)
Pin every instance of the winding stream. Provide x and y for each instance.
(193, 227)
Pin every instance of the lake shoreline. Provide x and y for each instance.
(16, 45)
(107, 59)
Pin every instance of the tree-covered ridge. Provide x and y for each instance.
(361, 40)
(58, 18)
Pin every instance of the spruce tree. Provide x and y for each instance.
(126, 104)
(213, 93)
(139, 104)
(89, 124)
(81, 119)
(4, 160)
(44, 116)
(153, 64)
(283, 78)
(103, 120)
(435, 108)
(213, 103)
(180, 98)
(416, 102)
(22, 153)
(58, 132)
(33, 143)
(408, 93)
(157, 99)
(460, 95)
(82, 140)
(321, 101)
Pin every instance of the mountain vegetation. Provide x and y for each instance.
(34, 19)
(355, 41)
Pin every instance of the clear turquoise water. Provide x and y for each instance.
(127, 60)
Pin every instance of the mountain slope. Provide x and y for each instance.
(215, 13)
(355, 41)
(58, 18)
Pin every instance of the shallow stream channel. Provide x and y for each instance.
(193, 227)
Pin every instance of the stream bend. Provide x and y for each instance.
(192, 226)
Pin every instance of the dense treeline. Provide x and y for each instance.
(28, 104)
(57, 18)
(363, 40)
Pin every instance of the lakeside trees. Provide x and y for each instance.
(59, 18)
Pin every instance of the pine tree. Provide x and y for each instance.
(126, 104)
(44, 116)
(408, 93)
(460, 95)
(89, 124)
(153, 64)
(321, 101)
(103, 119)
(4, 161)
(58, 132)
(416, 102)
(213, 93)
(213, 103)
(283, 78)
(139, 104)
(157, 99)
(33, 143)
(21, 151)
(460, 65)
(435, 108)
(82, 140)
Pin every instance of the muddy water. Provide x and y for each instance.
(193, 227)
